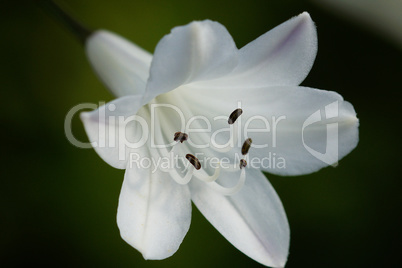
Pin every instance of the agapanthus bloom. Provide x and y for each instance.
(199, 98)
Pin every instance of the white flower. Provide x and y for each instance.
(197, 72)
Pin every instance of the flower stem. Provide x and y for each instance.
(72, 24)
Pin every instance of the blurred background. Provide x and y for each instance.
(58, 202)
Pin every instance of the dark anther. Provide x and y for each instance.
(180, 136)
(194, 161)
(234, 115)
(243, 163)
(246, 146)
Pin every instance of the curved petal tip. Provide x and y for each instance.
(305, 14)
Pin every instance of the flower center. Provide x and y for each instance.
(195, 168)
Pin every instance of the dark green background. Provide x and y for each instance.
(58, 202)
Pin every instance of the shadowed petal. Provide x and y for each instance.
(305, 129)
(201, 50)
(308, 129)
(253, 220)
(154, 212)
(111, 127)
(121, 65)
(282, 56)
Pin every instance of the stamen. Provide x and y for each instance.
(231, 190)
(234, 115)
(180, 136)
(207, 178)
(166, 153)
(246, 146)
(232, 121)
(243, 163)
(193, 161)
(228, 147)
(177, 178)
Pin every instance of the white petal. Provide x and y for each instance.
(253, 220)
(282, 56)
(299, 130)
(154, 212)
(201, 50)
(112, 128)
(309, 129)
(121, 65)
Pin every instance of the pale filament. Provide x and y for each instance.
(164, 152)
(232, 140)
(204, 176)
(209, 180)
(190, 172)
(229, 190)
(232, 168)
(172, 151)
(182, 180)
